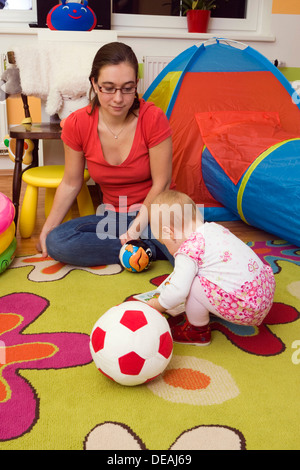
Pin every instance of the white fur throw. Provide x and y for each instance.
(50, 70)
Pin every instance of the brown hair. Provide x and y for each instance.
(113, 53)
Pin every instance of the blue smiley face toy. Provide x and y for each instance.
(71, 17)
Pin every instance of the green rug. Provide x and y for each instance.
(241, 392)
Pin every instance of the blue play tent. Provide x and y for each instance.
(236, 135)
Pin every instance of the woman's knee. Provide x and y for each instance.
(54, 243)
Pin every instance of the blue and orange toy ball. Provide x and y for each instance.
(135, 256)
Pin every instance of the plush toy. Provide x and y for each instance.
(69, 104)
(57, 73)
(3, 94)
(11, 86)
(10, 82)
(71, 17)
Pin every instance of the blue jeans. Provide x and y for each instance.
(93, 240)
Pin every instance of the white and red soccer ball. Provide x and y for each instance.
(131, 343)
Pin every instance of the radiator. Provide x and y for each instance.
(152, 67)
(3, 112)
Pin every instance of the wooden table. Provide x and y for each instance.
(34, 132)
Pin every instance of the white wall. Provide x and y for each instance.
(286, 29)
(284, 46)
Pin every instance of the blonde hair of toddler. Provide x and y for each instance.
(176, 210)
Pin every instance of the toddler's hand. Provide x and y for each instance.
(155, 304)
(129, 235)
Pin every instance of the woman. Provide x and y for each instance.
(127, 145)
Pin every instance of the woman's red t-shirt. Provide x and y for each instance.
(132, 178)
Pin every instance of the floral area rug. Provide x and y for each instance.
(241, 392)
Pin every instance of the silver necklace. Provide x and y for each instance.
(116, 136)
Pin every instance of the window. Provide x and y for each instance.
(224, 8)
(18, 11)
(17, 4)
(240, 19)
(230, 9)
(243, 16)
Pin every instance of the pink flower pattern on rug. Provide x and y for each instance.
(19, 350)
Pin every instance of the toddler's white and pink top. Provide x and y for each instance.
(236, 282)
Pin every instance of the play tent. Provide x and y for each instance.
(236, 135)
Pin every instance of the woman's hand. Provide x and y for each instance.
(41, 247)
(41, 244)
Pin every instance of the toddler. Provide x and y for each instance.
(214, 271)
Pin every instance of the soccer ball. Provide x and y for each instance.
(131, 343)
(135, 256)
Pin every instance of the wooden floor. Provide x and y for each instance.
(28, 246)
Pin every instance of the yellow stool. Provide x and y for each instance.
(48, 177)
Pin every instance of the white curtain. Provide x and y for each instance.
(18, 5)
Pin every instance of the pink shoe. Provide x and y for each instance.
(185, 333)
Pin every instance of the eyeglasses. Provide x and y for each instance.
(126, 90)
